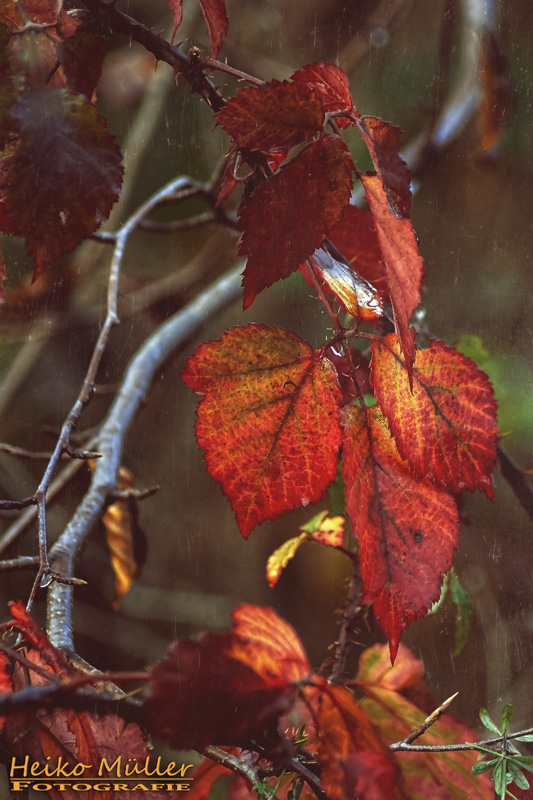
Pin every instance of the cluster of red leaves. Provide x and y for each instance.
(251, 691)
(276, 414)
(50, 132)
(241, 689)
(61, 735)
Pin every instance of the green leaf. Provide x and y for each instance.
(498, 776)
(517, 775)
(507, 715)
(464, 613)
(524, 761)
(487, 722)
(527, 737)
(484, 766)
(473, 347)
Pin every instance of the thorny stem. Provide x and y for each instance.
(352, 608)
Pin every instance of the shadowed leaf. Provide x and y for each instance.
(62, 179)
(383, 142)
(288, 216)
(227, 688)
(330, 84)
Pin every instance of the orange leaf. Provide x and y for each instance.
(268, 421)
(287, 218)
(404, 268)
(446, 429)
(407, 527)
(278, 114)
(426, 775)
(227, 688)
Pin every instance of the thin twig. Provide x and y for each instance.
(429, 721)
(22, 562)
(517, 479)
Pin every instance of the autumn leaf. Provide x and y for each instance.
(286, 218)
(278, 114)
(447, 427)
(62, 179)
(268, 422)
(227, 689)
(446, 775)
(55, 733)
(407, 527)
(7, 90)
(321, 528)
(404, 268)
(348, 747)
(330, 84)
(6, 684)
(125, 539)
(81, 57)
(383, 142)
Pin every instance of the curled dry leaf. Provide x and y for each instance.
(125, 538)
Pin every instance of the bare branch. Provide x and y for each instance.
(140, 372)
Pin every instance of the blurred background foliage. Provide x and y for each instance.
(472, 215)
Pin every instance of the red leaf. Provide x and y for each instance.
(274, 115)
(6, 684)
(268, 421)
(177, 11)
(288, 216)
(330, 84)
(404, 268)
(446, 429)
(355, 237)
(383, 142)
(51, 734)
(370, 776)
(62, 180)
(227, 688)
(407, 528)
(214, 12)
(81, 57)
(34, 636)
